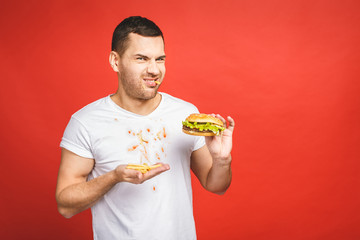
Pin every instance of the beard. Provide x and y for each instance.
(134, 86)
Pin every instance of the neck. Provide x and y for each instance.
(138, 106)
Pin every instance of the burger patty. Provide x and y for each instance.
(195, 129)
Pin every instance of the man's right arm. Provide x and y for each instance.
(75, 194)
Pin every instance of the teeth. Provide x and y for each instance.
(152, 80)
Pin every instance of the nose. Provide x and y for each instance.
(153, 68)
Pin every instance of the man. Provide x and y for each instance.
(138, 125)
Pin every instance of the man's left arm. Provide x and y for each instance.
(211, 164)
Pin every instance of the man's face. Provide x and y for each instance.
(142, 67)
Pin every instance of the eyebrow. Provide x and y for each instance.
(144, 56)
(162, 56)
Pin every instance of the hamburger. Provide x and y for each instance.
(200, 124)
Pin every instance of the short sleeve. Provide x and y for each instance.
(199, 142)
(77, 139)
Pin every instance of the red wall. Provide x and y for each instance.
(287, 71)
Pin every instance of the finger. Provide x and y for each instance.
(132, 173)
(231, 124)
(156, 171)
(133, 176)
(220, 117)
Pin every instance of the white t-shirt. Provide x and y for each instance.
(160, 208)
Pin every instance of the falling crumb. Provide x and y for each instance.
(154, 188)
(116, 119)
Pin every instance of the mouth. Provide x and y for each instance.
(151, 82)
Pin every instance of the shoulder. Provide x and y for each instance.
(91, 109)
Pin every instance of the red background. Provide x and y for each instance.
(287, 71)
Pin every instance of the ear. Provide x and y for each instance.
(114, 59)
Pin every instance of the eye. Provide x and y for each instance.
(141, 58)
(162, 59)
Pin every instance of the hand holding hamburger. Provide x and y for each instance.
(218, 134)
(211, 163)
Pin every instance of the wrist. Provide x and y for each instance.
(222, 161)
(116, 175)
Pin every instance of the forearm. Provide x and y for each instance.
(80, 196)
(219, 177)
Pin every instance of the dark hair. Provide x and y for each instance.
(134, 24)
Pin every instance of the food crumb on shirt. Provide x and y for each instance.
(133, 148)
(164, 133)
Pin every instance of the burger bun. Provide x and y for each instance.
(204, 118)
(197, 133)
